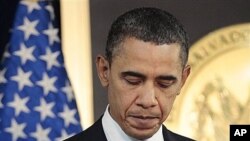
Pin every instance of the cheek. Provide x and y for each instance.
(166, 104)
(120, 99)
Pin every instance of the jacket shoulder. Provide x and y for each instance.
(171, 136)
(93, 133)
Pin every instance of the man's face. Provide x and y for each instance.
(143, 82)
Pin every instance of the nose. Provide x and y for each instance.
(147, 97)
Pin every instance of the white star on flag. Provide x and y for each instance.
(31, 5)
(17, 130)
(63, 136)
(25, 53)
(51, 11)
(6, 54)
(22, 79)
(68, 91)
(47, 84)
(51, 58)
(52, 34)
(68, 116)
(2, 78)
(45, 109)
(41, 134)
(29, 28)
(19, 105)
(1, 97)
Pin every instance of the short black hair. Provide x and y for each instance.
(150, 25)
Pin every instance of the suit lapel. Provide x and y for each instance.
(165, 133)
(98, 131)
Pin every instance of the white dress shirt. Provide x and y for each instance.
(114, 132)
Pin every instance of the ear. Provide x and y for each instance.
(102, 67)
(185, 74)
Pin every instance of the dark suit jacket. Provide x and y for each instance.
(96, 133)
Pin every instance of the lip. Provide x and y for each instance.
(143, 117)
(143, 122)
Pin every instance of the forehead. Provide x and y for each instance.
(134, 53)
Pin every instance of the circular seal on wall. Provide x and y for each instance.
(217, 92)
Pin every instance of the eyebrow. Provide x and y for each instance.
(136, 74)
(132, 73)
(167, 77)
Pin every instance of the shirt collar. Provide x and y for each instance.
(114, 132)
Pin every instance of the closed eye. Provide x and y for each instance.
(166, 81)
(133, 78)
(133, 81)
(165, 84)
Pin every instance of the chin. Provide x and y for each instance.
(142, 137)
(141, 134)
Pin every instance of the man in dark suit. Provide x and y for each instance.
(144, 69)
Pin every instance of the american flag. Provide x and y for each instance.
(36, 98)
